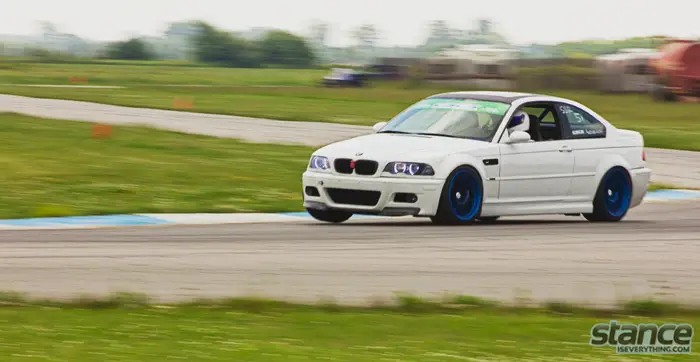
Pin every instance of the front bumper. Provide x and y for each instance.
(426, 190)
(640, 184)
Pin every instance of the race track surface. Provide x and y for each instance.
(678, 168)
(652, 253)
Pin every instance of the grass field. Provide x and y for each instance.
(256, 330)
(205, 335)
(55, 168)
(664, 125)
(151, 73)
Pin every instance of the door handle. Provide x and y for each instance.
(565, 149)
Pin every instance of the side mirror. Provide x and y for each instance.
(378, 126)
(519, 137)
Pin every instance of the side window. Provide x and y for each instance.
(545, 119)
(580, 123)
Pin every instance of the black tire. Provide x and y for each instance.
(669, 97)
(334, 216)
(613, 197)
(488, 219)
(661, 93)
(461, 198)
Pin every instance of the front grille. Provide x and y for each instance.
(366, 167)
(354, 197)
(342, 165)
(362, 167)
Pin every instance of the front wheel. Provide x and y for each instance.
(612, 200)
(334, 216)
(461, 198)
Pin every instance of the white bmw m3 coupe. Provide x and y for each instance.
(476, 156)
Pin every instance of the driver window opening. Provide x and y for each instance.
(543, 125)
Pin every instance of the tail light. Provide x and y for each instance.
(644, 155)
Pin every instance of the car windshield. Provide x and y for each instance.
(340, 72)
(448, 117)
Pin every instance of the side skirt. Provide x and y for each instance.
(523, 208)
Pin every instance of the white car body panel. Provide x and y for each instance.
(547, 177)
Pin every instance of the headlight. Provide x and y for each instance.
(319, 163)
(409, 168)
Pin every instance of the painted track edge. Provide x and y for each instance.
(132, 220)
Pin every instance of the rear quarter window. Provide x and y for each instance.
(580, 123)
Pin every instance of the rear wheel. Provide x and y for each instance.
(334, 216)
(612, 200)
(461, 198)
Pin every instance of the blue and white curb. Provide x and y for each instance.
(90, 222)
(672, 195)
(87, 222)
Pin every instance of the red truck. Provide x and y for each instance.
(677, 70)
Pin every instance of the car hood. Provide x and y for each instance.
(399, 147)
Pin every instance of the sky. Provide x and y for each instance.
(399, 22)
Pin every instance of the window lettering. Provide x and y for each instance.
(582, 124)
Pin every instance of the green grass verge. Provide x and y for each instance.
(55, 168)
(126, 327)
(664, 125)
(660, 186)
(154, 72)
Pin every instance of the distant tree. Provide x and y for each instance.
(319, 34)
(48, 30)
(318, 40)
(366, 36)
(132, 49)
(485, 26)
(600, 47)
(286, 49)
(177, 42)
(215, 46)
(439, 33)
(182, 29)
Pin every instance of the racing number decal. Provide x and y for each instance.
(567, 111)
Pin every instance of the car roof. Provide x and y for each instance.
(488, 96)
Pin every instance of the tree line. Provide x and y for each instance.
(276, 48)
(262, 47)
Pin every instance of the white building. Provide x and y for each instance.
(626, 71)
(477, 65)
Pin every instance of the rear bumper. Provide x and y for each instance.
(640, 184)
(427, 192)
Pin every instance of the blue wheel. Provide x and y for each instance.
(461, 199)
(613, 198)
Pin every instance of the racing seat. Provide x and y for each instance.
(534, 129)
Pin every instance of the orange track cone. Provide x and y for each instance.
(102, 131)
(183, 103)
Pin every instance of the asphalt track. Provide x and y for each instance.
(653, 253)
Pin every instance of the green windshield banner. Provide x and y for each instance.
(464, 105)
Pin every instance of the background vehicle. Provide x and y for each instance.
(677, 70)
(465, 156)
(340, 77)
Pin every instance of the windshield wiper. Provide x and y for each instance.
(438, 134)
(432, 134)
(400, 132)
